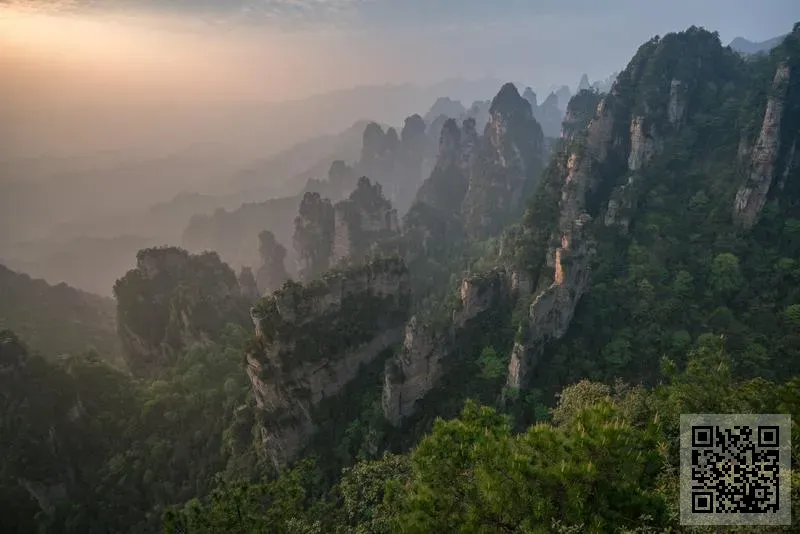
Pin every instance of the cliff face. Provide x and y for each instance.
(580, 111)
(248, 285)
(396, 162)
(312, 341)
(446, 187)
(313, 236)
(548, 114)
(602, 168)
(363, 220)
(232, 234)
(761, 169)
(272, 273)
(426, 351)
(340, 182)
(171, 300)
(508, 162)
(328, 235)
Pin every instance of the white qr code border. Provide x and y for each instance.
(689, 488)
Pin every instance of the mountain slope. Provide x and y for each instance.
(57, 320)
(652, 211)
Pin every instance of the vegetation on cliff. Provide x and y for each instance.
(171, 300)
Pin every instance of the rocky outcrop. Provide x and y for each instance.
(340, 182)
(420, 364)
(444, 106)
(583, 84)
(272, 273)
(313, 236)
(345, 233)
(563, 94)
(508, 163)
(549, 116)
(417, 369)
(232, 234)
(752, 195)
(479, 110)
(580, 111)
(677, 102)
(362, 221)
(447, 185)
(171, 300)
(789, 166)
(313, 341)
(396, 162)
(604, 86)
(376, 149)
(479, 292)
(552, 309)
(530, 96)
(643, 144)
(247, 284)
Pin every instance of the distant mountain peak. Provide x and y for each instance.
(747, 47)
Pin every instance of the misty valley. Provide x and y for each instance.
(466, 306)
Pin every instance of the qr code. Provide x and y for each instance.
(735, 469)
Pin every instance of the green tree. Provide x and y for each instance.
(726, 277)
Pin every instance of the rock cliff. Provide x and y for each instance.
(761, 169)
(426, 350)
(171, 300)
(549, 115)
(232, 234)
(396, 162)
(362, 221)
(248, 285)
(344, 233)
(600, 169)
(272, 273)
(506, 167)
(446, 187)
(313, 236)
(313, 340)
(580, 111)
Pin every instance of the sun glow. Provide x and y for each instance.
(140, 52)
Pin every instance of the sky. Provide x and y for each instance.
(66, 66)
(309, 46)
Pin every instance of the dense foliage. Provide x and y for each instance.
(105, 453)
(606, 463)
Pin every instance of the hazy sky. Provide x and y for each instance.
(66, 66)
(308, 46)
